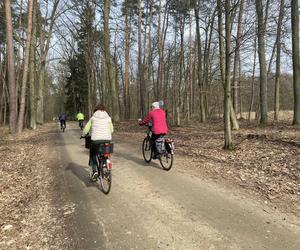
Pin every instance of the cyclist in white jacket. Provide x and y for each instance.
(100, 128)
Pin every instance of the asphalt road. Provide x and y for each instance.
(149, 208)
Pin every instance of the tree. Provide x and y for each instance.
(262, 61)
(11, 68)
(127, 12)
(45, 40)
(296, 59)
(199, 60)
(110, 79)
(25, 68)
(237, 63)
(140, 62)
(227, 92)
(32, 70)
(278, 61)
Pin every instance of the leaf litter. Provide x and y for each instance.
(265, 161)
(30, 203)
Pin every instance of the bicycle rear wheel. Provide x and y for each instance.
(166, 161)
(146, 148)
(105, 177)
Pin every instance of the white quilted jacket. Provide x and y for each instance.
(101, 127)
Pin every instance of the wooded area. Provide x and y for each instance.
(204, 59)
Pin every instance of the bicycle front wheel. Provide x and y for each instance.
(146, 148)
(166, 161)
(105, 177)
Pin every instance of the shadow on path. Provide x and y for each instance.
(82, 174)
(140, 161)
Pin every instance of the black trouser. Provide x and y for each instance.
(63, 122)
(153, 139)
(80, 123)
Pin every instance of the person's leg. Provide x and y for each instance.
(93, 157)
(153, 146)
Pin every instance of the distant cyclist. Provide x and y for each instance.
(62, 118)
(159, 124)
(80, 119)
(100, 128)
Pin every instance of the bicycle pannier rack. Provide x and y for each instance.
(169, 143)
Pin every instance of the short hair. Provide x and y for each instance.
(100, 107)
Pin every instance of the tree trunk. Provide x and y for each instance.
(190, 78)
(32, 87)
(140, 62)
(181, 68)
(149, 54)
(199, 71)
(108, 62)
(25, 68)
(2, 81)
(11, 68)
(236, 66)
(296, 60)
(234, 122)
(127, 61)
(252, 81)
(227, 92)
(262, 62)
(278, 54)
(44, 48)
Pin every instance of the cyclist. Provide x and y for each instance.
(100, 128)
(80, 119)
(62, 118)
(159, 124)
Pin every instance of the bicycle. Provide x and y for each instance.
(166, 154)
(104, 166)
(63, 127)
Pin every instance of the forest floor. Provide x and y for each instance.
(32, 208)
(264, 163)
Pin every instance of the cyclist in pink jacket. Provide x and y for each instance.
(157, 117)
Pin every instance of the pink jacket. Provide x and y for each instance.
(158, 119)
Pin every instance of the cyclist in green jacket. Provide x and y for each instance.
(80, 118)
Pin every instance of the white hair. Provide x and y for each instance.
(155, 105)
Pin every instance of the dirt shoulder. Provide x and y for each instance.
(265, 162)
(32, 209)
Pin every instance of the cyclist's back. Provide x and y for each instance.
(80, 116)
(100, 128)
(158, 118)
(62, 118)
